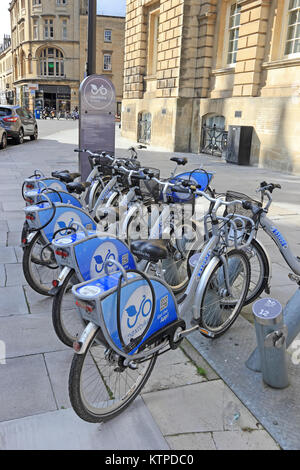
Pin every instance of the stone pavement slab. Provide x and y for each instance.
(29, 334)
(37, 303)
(14, 275)
(244, 440)
(12, 301)
(135, 429)
(7, 255)
(25, 388)
(58, 365)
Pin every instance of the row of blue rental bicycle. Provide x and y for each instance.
(134, 267)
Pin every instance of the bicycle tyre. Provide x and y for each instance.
(76, 386)
(214, 283)
(264, 275)
(60, 317)
(28, 263)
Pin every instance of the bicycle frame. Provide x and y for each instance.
(280, 241)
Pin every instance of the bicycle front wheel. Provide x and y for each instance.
(221, 303)
(100, 387)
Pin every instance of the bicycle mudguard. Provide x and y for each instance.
(35, 196)
(65, 217)
(198, 177)
(37, 182)
(147, 315)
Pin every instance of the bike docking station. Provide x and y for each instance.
(97, 98)
(270, 356)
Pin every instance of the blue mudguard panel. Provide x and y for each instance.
(65, 216)
(63, 197)
(196, 177)
(135, 313)
(91, 255)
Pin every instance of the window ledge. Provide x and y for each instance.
(150, 77)
(224, 71)
(277, 64)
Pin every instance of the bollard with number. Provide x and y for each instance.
(271, 336)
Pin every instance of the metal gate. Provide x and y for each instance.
(144, 128)
(214, 140)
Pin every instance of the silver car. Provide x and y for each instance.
(3, 137)
(18, 123)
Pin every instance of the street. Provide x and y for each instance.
(181, 406)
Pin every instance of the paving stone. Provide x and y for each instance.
(18, 252)
(16, 225)
(244, 440)
(29, 334)
(189, 409)
(193, 354)
(14, 275)
(134, 429)
(7, 255)
(12, 215)
(58, 365)
(14, 239)
(2, 275)
(12, 301)
(14, 206)
(194, 441)
(38, 303)
(25, 388)
(170, 375)
(3, 238)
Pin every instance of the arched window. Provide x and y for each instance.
(51, 62)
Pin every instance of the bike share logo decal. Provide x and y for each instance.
(203, 265)
(98, 93)
(105, 252)
(279, 237)
(136, 314)
(66, 220)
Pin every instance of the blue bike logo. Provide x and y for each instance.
(62, 225)
(144, 309)
(100, 263)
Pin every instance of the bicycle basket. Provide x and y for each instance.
(149, 189)
(237, 208)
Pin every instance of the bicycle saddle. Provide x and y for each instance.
(78, 188)
(65, 177)
(151, 250)
(179, 161)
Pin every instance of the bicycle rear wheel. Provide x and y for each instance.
(67, 322)
(100, 387)
(39, 265)
(220, 308)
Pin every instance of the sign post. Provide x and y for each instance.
(97, 99)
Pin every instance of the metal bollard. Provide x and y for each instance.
(271, 336)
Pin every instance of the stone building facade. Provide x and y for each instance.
(49, 51)
(194, 66)
(6, 75)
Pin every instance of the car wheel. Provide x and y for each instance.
(4, 141)
(20, 138)
(35, 135)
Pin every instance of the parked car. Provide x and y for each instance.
(3, 137)
(18, 123)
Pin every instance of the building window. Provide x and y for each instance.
(48, 29)
(233, 28)
(21, 32)
(64, 29)
(51, 63)
(107, 35)
(61, 2)
(35, 29)
(107, 62)
(153, 29)
(293, 32)
(36, 2)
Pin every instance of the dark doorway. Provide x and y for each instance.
(50, 100)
